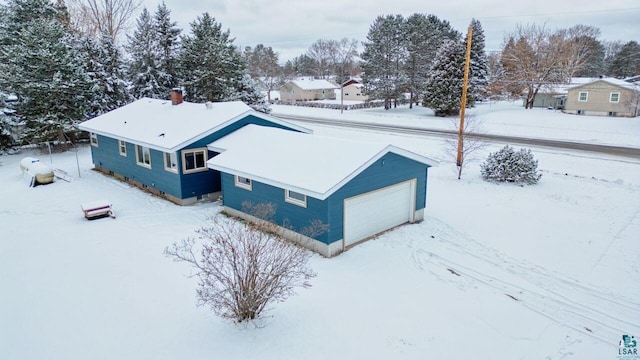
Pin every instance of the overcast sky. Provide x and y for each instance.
(291, 26)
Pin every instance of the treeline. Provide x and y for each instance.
(64, 65)
(61, 70)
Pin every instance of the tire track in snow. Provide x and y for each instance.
(587, 309)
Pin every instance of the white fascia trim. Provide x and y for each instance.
(323, 196)
(390, 148)
(279, 185)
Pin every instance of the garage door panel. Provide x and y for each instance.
(374, 212)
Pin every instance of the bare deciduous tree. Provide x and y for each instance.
(471, 140)
(242, 268)
(530, 60)
(534, 57)
(575, 48)
(323, 52)
(98, 16)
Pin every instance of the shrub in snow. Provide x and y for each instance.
(242, 268)
(511, 166)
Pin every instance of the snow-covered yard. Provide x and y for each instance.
(549, 271)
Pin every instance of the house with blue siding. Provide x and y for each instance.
(356, 189)
(161, 145)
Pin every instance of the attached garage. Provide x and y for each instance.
(356, 189)
(376, 211)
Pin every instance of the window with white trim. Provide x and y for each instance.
(93, 138)
(171, 162)
(243, 182)
(614, 97)
(583, 95)
(194, 160)
(122, 147)
(295, 198)
(143, 156)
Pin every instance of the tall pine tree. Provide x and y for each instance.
(40, 64)
(478, 67)
(47, 73)
(627, 61)
(143, 49)
(167, 36)
(383, 58)
(443, 90)
(424, 36)
(106, 75)
(211, 68)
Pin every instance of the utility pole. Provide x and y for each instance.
(463, 103)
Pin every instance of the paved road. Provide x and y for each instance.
(571, 145)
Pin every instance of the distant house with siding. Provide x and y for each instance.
(307, 89)
(357, 189)
(604, 97)
(353, 90)
(161, 145)
(554, 96)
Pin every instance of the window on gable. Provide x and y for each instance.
(122, 147)
(243, 182)
(143, 156)
(583, 96)
(171, 162)
(93, 137)
(194, 160)
(614, 97)
(295, 198)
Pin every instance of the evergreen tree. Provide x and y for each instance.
(167, 35)
(47, 73)
(478, 67)
(301, 65)
(424, 36)
(16, 15)
(249, 93)
(443, 90)
(143, 47)
(626, 62)
(383, 58)
(211, 68)
(6, 122)
(262, 65)
(106, 75)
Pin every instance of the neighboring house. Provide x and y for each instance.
(554, 96)
(161, 145)
(357, 189)
(353, 90)
(307, 89)
(604, 97)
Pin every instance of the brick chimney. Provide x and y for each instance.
(176, 96)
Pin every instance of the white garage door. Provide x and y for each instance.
(377, 211)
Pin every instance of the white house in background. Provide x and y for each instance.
(307, 89)
(604, 97)
(352, 90)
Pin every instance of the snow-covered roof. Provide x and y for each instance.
(159, 125)
(313, 165)
(610, 80)
(563, 88)
(313, 84)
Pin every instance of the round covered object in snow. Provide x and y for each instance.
(25, 163)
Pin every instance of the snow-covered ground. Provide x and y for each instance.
(549, 271)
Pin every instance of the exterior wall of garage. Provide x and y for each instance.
(386, 171)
